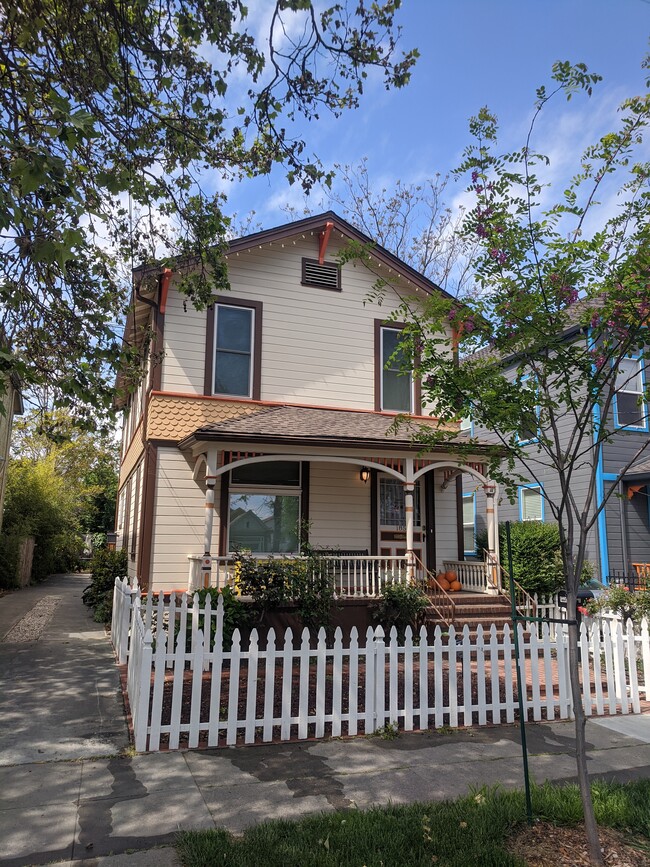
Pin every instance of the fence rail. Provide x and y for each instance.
(187, 684)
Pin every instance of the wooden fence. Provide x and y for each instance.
(186, 688)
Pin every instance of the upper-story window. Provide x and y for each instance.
(234, 348)
(394, 385)
(529, 430)
(631, 408)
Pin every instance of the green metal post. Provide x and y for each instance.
(516, 619)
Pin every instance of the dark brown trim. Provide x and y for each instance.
(430, 520)
(135, 528)
(223, 513)
(374, 516)
(147, 516)
(416, 409)
(305, 467)
(126, 526)
(208, 378)
(209, 351)
(155, 372)
(459, 517)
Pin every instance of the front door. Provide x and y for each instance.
(392, 522)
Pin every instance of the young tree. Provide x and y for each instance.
(117, 123)
(563, 304)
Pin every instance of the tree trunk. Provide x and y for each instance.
(595, 853)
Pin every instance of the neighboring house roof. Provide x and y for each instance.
(308, 426)
(641, 468)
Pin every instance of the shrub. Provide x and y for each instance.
(401, 605)
(305, 583)
(236, 614)
(105, 567)
(626, 603)
(536, 556)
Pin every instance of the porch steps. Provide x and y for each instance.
(473, 609)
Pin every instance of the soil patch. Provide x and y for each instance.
(544, 844)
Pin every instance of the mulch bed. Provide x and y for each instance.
(544, 844)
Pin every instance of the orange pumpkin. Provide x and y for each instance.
(451, 576)
(455, 586)
(442, 581)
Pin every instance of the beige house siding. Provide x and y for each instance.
(339, 507)
(179, 507)
(318, 345)
(446, 521)
(132, 456)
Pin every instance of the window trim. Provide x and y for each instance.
(644, 403)
(466, 551)
(531, 486)
(416, 391)
(256, 347)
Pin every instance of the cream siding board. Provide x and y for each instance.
(445, 520)
(184, 340)
(317, 345)
(339, 507)
(179, 520)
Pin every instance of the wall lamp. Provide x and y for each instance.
(364, 475)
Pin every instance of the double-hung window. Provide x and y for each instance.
(396, 392)
(531, 503)
(529, 430)
(631, 406)
(234, 342)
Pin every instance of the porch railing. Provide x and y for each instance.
(353, 576)
(472, 574)
(439, 599)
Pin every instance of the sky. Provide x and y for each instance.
(475, 53)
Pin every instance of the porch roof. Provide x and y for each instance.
(324, 427)
(638, 470)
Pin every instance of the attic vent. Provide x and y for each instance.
(325, 276)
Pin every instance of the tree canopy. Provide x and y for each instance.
(118, 121)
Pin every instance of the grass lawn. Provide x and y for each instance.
(469, 831)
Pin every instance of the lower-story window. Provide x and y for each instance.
(265, 523)
(531, 503)
(469, 523)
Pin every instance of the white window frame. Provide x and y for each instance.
(251, 353)
(385, 370)
(625, 389)
(472, 497)
(271, 490)
(526, 383)
(529, 488)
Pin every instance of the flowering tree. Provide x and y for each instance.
(560, 318)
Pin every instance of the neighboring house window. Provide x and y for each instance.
(469, 523)
(529, 431)
(395, 385)
(631, 408)
(264, 508)
(467, 426)
(233, 350)
(391, 503)
(531, 503)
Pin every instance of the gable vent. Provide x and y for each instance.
(325, 276)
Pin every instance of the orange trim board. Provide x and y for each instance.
(263, 403)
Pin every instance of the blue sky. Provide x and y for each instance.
(475, 53)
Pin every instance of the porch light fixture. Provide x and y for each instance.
(364, 475)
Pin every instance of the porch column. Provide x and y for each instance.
(409, 488)
(493, 571)
(210, 479)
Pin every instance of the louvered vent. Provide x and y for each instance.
(325, 276)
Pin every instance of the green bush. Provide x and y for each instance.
(9, 553)
(305, 583)
(536, 557)
(627, 603)
(401, 605)
(105, 567)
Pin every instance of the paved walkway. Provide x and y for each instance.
(68, 803)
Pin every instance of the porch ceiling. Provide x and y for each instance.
(306, 426)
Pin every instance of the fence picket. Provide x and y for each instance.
(353, 684)
(408, 680)
(549, 699)
(480, 676)
(645, 655)
(467, 678)
(423, 651)
(251, 688)
(393, 672)
(197, 685)
(564, 699)
(609, 667)
(380, 680)
(536, 697)
(179, 671)
(321, 664)
(597, 666)
(619, 667)
(494, 676)
(507, 674)
(303, 686)
(586, 671)
(233, 690)
(141, 710)
(287, 683)
(632, 672)
(158, 686)
(453, 677)
(337, 681)
(216, 667)
(269, 686)
(171, 630)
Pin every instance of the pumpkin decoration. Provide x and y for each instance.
(455, 586)
(442, 581)
(451, 576)
(431, 582)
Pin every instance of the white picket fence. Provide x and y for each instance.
(185, 689)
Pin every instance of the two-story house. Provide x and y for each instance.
(269, 417)
(619, 544)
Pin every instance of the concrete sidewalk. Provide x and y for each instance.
(88, 808)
